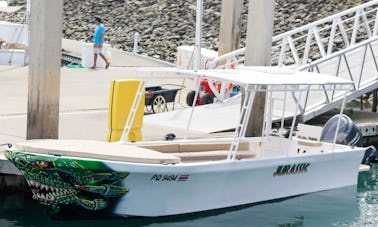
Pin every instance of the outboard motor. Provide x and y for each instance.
(348, 133)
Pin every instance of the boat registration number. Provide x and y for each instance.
(169, 177)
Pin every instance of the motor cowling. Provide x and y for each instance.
(348, 133)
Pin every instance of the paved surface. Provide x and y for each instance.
(83, 102)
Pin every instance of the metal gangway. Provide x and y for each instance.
(357, 63)
(344, 45)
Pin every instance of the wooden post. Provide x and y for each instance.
(230, 26)
(375, 99)
(258, 50)
(44, 69)
(361, 102)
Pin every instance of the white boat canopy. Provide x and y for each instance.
(271, 76)
(270, 79)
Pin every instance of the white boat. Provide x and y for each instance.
(159, 178)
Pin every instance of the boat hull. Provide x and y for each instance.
(135, 189)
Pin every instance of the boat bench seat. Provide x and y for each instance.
(194, 147)
(164, 148)
(211, 155)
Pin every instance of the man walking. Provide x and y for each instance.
(98, 41)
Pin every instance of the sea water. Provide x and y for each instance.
(348, 206)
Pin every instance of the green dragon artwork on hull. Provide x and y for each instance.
(57, 182)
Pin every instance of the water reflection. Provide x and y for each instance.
(367, 198)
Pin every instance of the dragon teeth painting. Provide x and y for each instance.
(56, 182)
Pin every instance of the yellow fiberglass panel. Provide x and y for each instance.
(121, 100)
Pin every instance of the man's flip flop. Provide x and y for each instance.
(107, 65)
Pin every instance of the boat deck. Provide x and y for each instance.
(97, 150)
(150, 154)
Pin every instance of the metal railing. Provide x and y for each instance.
(316, 40)
(357, 63)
